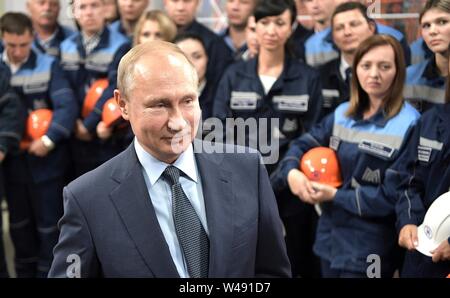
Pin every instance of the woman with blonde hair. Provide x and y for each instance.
(154, 25)
(367, 134)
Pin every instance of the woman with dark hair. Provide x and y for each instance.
(194, 48)
(426, 176)
(425, 81)
(281, 96)
(357, 224)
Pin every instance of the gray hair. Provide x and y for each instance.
(152, 50)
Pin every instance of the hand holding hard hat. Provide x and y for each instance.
(321, 166)
(435, 229)
(111, 114)
(93, 95)
(317, 177)
(38, 122)
(111, 119)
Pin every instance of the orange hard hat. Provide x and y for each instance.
(321, 165)
(38, 123)
(111, 114)
(93, 95)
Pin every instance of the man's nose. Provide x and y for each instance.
(177, 122)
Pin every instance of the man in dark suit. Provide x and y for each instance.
(164, 208)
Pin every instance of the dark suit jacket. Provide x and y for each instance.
(109, 221)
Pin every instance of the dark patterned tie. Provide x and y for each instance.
(348, 76)
(191, 235)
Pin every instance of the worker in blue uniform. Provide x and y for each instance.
(350, 25)
(93, 53)
(220, 56)
(425, 82)
(12, 119)
(48, 32)
(130, 12)
(319, 48)
(282, 97)
(367, 133)
(424, 175)
(237, 12)
(35, 177)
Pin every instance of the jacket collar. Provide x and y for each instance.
(379, 118)
(431, 72)
(103, 43)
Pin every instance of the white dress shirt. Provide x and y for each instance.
(161, 197)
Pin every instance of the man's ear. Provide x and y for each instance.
(122, 103)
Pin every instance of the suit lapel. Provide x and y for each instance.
(218, 197)
(132, 201)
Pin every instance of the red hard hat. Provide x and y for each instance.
(38, 123)
(111, 114)
(321, 164)
(93, 95)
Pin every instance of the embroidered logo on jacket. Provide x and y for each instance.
(372, 176)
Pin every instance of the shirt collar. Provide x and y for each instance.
(46, 43)
(91, 42)
(13, 67)
(343, 67)
(154, 167)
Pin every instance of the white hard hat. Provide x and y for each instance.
(436, 225)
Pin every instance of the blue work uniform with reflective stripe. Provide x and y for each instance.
(319, 48)
(102, 62)
(41, 84)
(423, 175)
(53, 49)
(34, 184)
(294, 100)
(360, 220)
(424, 86)
(419, 51)
(82, 71)
(289, 108)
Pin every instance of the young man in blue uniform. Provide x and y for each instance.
(182, 13)
(35, 177)
(130, 11)
(91, 54)
(319, 48)
(350, 26)
(238, 12)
